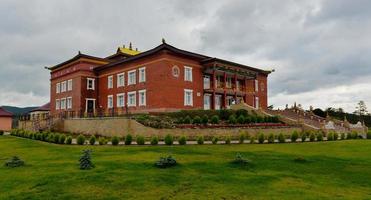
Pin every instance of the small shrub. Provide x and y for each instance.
(300, 160)
(1, 132)
(128, 139)
(166, 162)
(62, 139)
(154, 140)
(342, 136)
(227, 139)
(369, 135)
(252, 140)
(232, 119)
(14, 162)
(102, 141)
(115, 140)
(242, 112)
(182, 140)
(330, 136)
(50, 138)
(261, 138)
(241, 119)
(85, 160)
(319, 137)
(197, 120)
(215, 140)
(92, 140)
(271, 138)
(215, 119)
(281, 138)
(336, 136)
(140, 140)
(204, 119)
(200, 139)
(81, 140)
(187, 120)
(349, 136)
(240, 160)
(303, 137)
(69, 140)
(312, 137)
(56, 138)
(294, 136)
(242, 138)
(39, 136)
(354, 135)
(169, 139)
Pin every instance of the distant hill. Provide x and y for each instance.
(17, 110)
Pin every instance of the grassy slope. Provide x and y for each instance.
(339, 169)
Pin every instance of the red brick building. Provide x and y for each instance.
(164, 78)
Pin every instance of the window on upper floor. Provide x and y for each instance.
(132, 77)
(58, 88)
(64, 86)
(229, 82)
(69, 102)
(69, 85)
(110, 101)
(188, 73)
(132, 99)
(142, 97)
(90, 83)
(110, 82)
(121, 100)
(57, 104)
(188, 97)
(121, 80)
(142, 74)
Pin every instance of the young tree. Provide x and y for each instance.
(361, 109)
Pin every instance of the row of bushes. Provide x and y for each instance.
(223, 114)
(232, 119)
(182, 140)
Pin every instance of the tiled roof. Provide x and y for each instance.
(4, 113)
(45, 107)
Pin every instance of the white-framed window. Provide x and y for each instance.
(142, 97)
(90, 83)
(206, 82)
(69, 102)
(256, 85)
(58, 88)
(57, 104)
(132, 99)
(121, 100)
(188, 97)
(64, 86)
(63, 103)
(110, 101)
(121, 80)
(142, 74)
(132, 77)
(188, 73)
(110, 82)
(257, 102)
(69, 85)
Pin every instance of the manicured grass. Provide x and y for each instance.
(334, 170)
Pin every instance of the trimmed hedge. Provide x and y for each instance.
(182, 140)
(169, 139)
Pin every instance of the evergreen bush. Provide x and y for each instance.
(154, 140)
(271, 138)
(227, 139)
(56, 138)
(69, 140)
(140, 140)
(312, 137)
(115, 140)
(342, 136)
(205, 119)
(242, 138)
(242, 112)
(240, 160)
(241, 119)
(215, 140)
(261, 138)
(165, 162)
(215, 119)
(281, 138)
(319, 137)
(354, 135)
(303, 137)
(349, 136)
(330, 136)
(369, 135)
(169, 139)
(15, 161)
(294, 136)
(50, 138)
(102, 141)
(187, 120)
(85, 160)
(336, 136)
(197, 120)
(80, 140)
(92, 140)
(62, 139)
(128, 139)
(252, 140)
(200, 139)
(232, 119)
(182, 140)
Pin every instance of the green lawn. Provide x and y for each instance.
(335, 170)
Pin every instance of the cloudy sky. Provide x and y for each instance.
(320, 49)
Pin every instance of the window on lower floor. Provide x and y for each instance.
(57, 104)
(132, 99)
(188, 97)
(110, 101)
(69, 103)
(63, 103)
(120, 100)
(142, 97)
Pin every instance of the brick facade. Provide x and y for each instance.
(165, 86)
